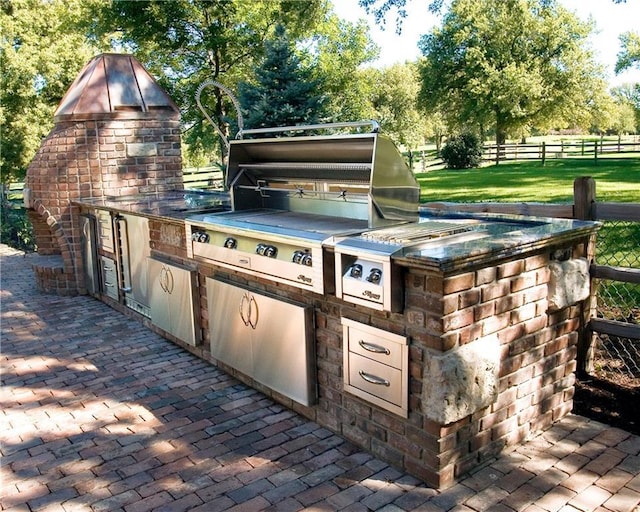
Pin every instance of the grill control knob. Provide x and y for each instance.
(199, 236)
(356, 271)
(230, 243)
(260, 248)
(270, 251)
(375, 276)
(302, 258)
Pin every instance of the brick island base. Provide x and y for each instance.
(489, 364)
(490, 359)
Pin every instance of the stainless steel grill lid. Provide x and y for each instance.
(355, 175)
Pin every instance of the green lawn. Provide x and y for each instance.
(617, 180)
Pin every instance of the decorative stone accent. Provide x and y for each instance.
(461, 381)
(569, 283)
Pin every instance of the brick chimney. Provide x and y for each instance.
(116, 132)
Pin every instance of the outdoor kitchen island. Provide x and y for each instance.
(431, 341)
(477, 352)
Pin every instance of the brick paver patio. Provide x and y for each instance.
(101, 414)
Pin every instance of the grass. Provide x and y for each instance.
(617, 180)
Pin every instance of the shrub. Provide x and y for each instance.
(15, 229)
(463, 151)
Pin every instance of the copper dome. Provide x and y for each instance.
(116, 85)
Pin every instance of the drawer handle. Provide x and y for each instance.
(372, 347)
(373, 379)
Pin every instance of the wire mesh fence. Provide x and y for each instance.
(617, 358)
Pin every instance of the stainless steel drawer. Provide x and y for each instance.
(376, 347)
(109, 277)
(105, 230)
(376, 366)
(376, 379)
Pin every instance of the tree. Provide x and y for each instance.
(284, 93)
(381, 8)
(629, 55)
(532, 71)
(336, 52)
(395, 102)
(629, 94)
(184, 43)
(42, 49)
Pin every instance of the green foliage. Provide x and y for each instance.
(43, 46)
(284, 94)
(338, 50)
(535, 70)
(15, 229)
(463, 151)
(629, 56)
(396, 109)
(184, 43)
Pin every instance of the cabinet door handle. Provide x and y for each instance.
(372, 347)
(245, 303)
(170, 282)
(373, 379)
(163, 279)
(248, 306)
(251, 322)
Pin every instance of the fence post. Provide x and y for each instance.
(584, 198)
(544, 152)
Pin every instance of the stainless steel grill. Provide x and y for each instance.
(295, 192)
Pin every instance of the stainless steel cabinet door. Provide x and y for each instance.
(229, 336)
(266, 338)
(282, 348)
(171, 300)
(133, 234)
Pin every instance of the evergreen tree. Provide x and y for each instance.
(285, 92)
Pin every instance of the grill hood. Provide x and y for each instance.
(355, 175)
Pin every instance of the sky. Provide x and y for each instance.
(611, 20)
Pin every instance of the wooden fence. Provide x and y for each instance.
(429, 159)
(203, 177)
(585, 207)
(425, 160)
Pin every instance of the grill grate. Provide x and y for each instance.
(408, 233)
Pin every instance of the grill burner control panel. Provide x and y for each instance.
(365, 271)
(259, 254)
(368, 281)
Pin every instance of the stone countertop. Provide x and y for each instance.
(490, 237)
(495, 236)
(173, 204)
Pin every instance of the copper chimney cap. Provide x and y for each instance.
(114, 85)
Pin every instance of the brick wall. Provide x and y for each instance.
(505, 299)
(92, 159)
(444, 311)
